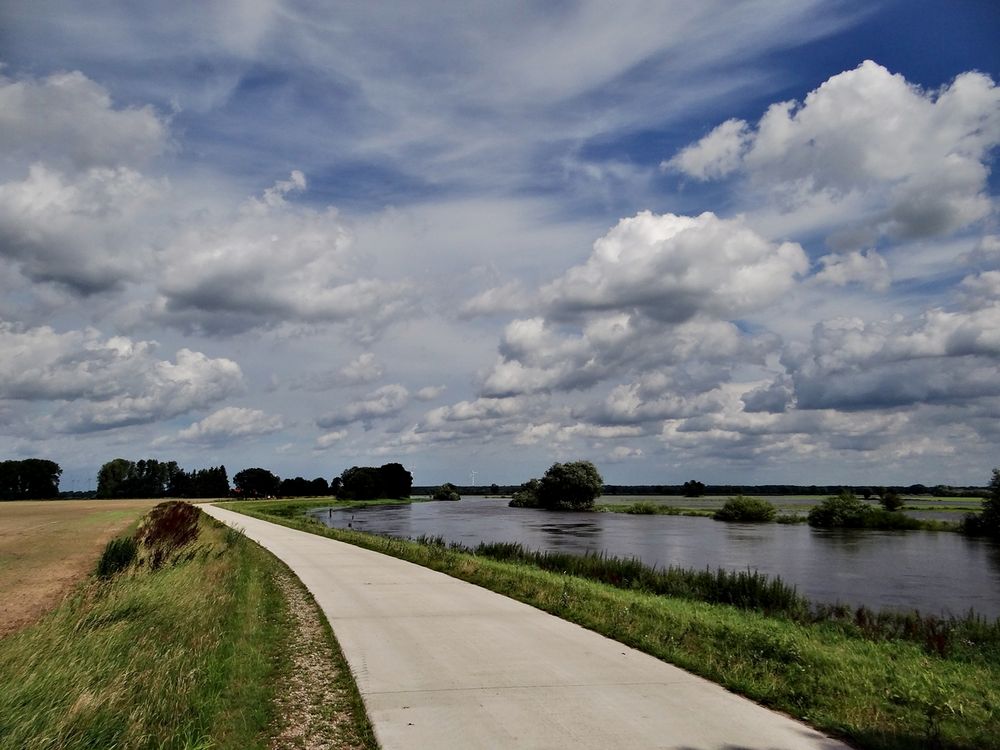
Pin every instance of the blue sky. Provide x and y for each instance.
(741, 242)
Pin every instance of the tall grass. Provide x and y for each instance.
(180, 657)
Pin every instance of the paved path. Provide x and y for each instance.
(445, 664)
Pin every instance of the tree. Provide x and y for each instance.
(360, 483)
(987, 521)
(570, 486)
(256, 482)
(446, 491)
(890, 500)
(29, 479)
(112, 476)
(396, 481)
(693, 488)
(370, 483)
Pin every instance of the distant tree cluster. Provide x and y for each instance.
(29, 479)
(300, 487)
(570, 486)
(446, 491)
(370, 482)
(122, 478)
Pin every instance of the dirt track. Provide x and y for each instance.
(47, 546)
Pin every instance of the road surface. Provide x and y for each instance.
(442, 664)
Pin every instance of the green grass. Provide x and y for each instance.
(878, 693)
(186, 656)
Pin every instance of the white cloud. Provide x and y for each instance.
(230, 422)
(105, 383)
(329, 439)
(387, 401)
(716, 155)
(82, 230)
(69, 120)
(673, 267)
(273, 263)
(429, 393)
(867, 268)
(364, 369)
(919, 159)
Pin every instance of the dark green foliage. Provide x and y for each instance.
(693, 488)
(300, 487)
(370, 483)
(891, 501)
(30, 479)
(121, 478)
(526, 496)
(118, 554)
(987, 521)
(211, 482)
(847, 511)
(256, 482)
(746, 510)
(446, 491)
(570, 486)
(844, 509)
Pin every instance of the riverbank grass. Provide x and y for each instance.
(880, 694)
(189, 649)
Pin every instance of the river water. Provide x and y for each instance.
(933, 572)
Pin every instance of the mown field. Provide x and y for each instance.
(208, 644)
(48, 546)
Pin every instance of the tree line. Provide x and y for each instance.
(30, 479)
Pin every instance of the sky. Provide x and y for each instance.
(739, 242)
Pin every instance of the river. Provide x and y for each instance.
(933, 572)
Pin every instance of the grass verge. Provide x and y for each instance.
(191, 654)
(879, 694)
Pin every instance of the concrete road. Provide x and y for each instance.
(444, 664)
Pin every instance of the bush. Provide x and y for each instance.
(746, 510)
(891, 501)
(167, 527)
(118, 554)
(842, 510)
(526, 496)
(446, 491)
(643, 508)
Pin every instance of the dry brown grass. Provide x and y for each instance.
(47, 546)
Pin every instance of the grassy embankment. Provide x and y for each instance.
(197, 653)
(851, 679)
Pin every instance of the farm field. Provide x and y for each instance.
(47, 546)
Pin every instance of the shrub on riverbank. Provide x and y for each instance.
(987, 521)
(746, 510)
(847, 511)
(446, 491)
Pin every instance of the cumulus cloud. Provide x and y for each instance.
(511, 297)
(329, 439)
(230, 422)
(105, 383)
(387, 401)
(78, 230)
(364, 369)
(69, 121)
(867, 268)
(918, 158)
(940, 356)
(429, 393)
(672, 268)
(274, 262)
